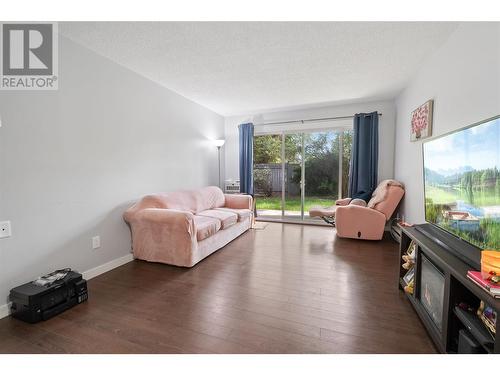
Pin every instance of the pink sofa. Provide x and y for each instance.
(181, 228)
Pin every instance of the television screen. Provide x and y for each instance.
(462, 183)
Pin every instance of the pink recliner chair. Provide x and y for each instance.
(355, 220)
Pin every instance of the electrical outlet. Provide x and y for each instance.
(96, 242)
(5, 230)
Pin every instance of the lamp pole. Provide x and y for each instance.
(218, 154)
(219, 143)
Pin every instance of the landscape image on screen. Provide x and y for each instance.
(462, 184)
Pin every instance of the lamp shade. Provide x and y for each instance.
(219, 142)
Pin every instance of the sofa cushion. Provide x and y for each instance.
(210, 197)
(242, 213)
(206, 226)
(226, 218)
(193, 201)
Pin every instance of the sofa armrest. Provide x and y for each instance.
(354, 221)
(165, 216)
(343, 201)
(239, 201)
(163, 235)
(172, 225)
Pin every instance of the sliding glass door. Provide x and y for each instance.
(321, 169)
(268, 175)
(294, 171)
(293, 186)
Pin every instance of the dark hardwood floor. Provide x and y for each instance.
(285, 289)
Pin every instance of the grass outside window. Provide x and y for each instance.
(292, 203)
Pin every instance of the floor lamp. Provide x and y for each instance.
(219, 143)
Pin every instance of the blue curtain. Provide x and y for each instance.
(364, 159)
(246, 158)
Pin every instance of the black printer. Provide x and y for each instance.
(48, 296)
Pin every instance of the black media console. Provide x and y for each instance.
(441, 285)
(460, 248)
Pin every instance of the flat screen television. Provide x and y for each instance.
(462, 183)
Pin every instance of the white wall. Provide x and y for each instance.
(72, 160)
(386, 131)
(463, 78)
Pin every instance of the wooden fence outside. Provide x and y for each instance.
(275, 176)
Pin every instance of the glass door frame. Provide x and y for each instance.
(340, 130)
(302, 173)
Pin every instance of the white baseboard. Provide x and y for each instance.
(103, 268)
(89, 274)
(4, 310)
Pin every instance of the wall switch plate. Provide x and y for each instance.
(96, 242)
(5, 230)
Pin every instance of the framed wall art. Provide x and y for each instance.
(421, 121)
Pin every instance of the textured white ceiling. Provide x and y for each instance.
(236, 68)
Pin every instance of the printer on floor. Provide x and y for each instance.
(48, 296)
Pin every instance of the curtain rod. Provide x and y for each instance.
(308, 120)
